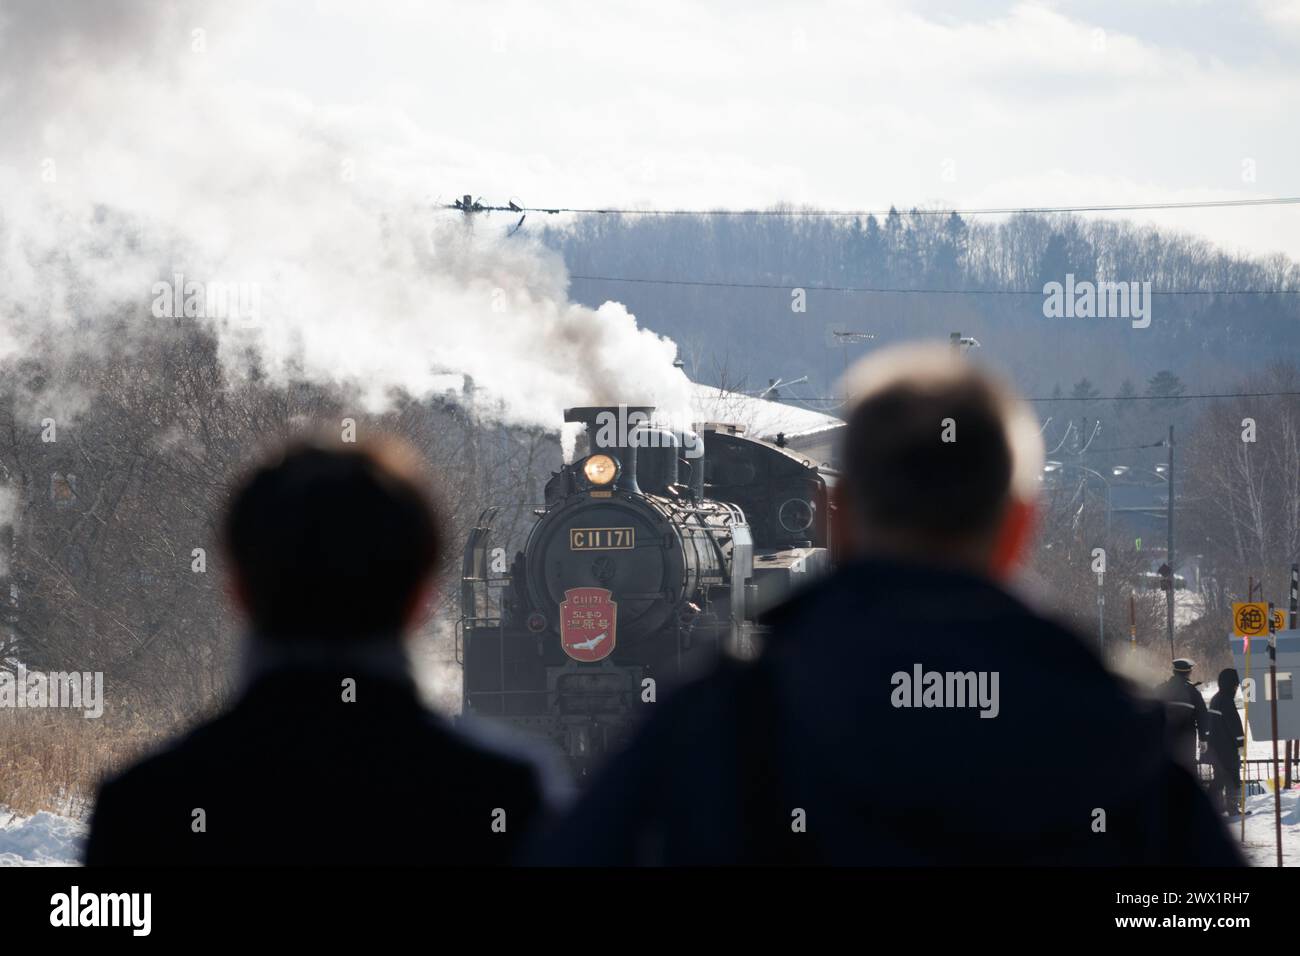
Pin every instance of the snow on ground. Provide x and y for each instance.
(1260, 847)
(1189, 607)
(45, 839)
(1261, 839)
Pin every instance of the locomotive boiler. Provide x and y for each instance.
(654, 552)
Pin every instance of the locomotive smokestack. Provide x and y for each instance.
(610, 426)
(609, 429)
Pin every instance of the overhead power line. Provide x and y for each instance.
(984, 211)
(1155, 444)
(1120, 398)
(1163, 398)
(887, 290)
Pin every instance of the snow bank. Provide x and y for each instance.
(45, 839)
(1261, 837)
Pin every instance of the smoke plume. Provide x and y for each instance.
(139, 178)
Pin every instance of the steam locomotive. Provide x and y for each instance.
(655, 551)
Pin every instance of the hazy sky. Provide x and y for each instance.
(833, 103)
(846, 105)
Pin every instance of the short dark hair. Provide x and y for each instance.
(928, 449)
(332, 542)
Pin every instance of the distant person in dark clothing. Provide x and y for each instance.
(1188, 721)
(1226, 740)
(908, 710)
(327, 756)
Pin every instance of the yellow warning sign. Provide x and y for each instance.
(1279, 619)
(1250, 619)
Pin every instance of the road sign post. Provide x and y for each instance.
(1292, 745)
(1277, 780)
(1132, 625)
(1252, 619)
(1245, 741)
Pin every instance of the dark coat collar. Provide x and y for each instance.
(868, 583)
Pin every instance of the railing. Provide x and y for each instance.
(1255, 771)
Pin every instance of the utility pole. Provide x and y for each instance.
(1293, 746)
(1295, 592)
(1169, 517)
(470, 206)
(1245, 730)
(1101, 616)
(846, 337)
(1277, 780)
(961, 342)
(1132, 624)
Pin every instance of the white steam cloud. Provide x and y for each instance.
(129, 155)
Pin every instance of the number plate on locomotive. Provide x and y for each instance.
(601, 539)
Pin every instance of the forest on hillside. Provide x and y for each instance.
(932, 274)
(1106, 392)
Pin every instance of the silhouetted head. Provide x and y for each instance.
(1183, 667)
(942, 461)
(333, 542)
(1228, 680)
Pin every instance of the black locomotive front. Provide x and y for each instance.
(633, 577)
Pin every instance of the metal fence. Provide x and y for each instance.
(1256, 770)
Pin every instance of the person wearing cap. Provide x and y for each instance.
(1189, 722)
(1226, 740)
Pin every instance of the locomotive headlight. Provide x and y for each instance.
(600, 469)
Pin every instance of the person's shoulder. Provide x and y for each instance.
(942, 606)
(132, 805)
(937, 600)
(162, 768)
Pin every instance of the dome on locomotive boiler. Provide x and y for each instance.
(658, 448)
